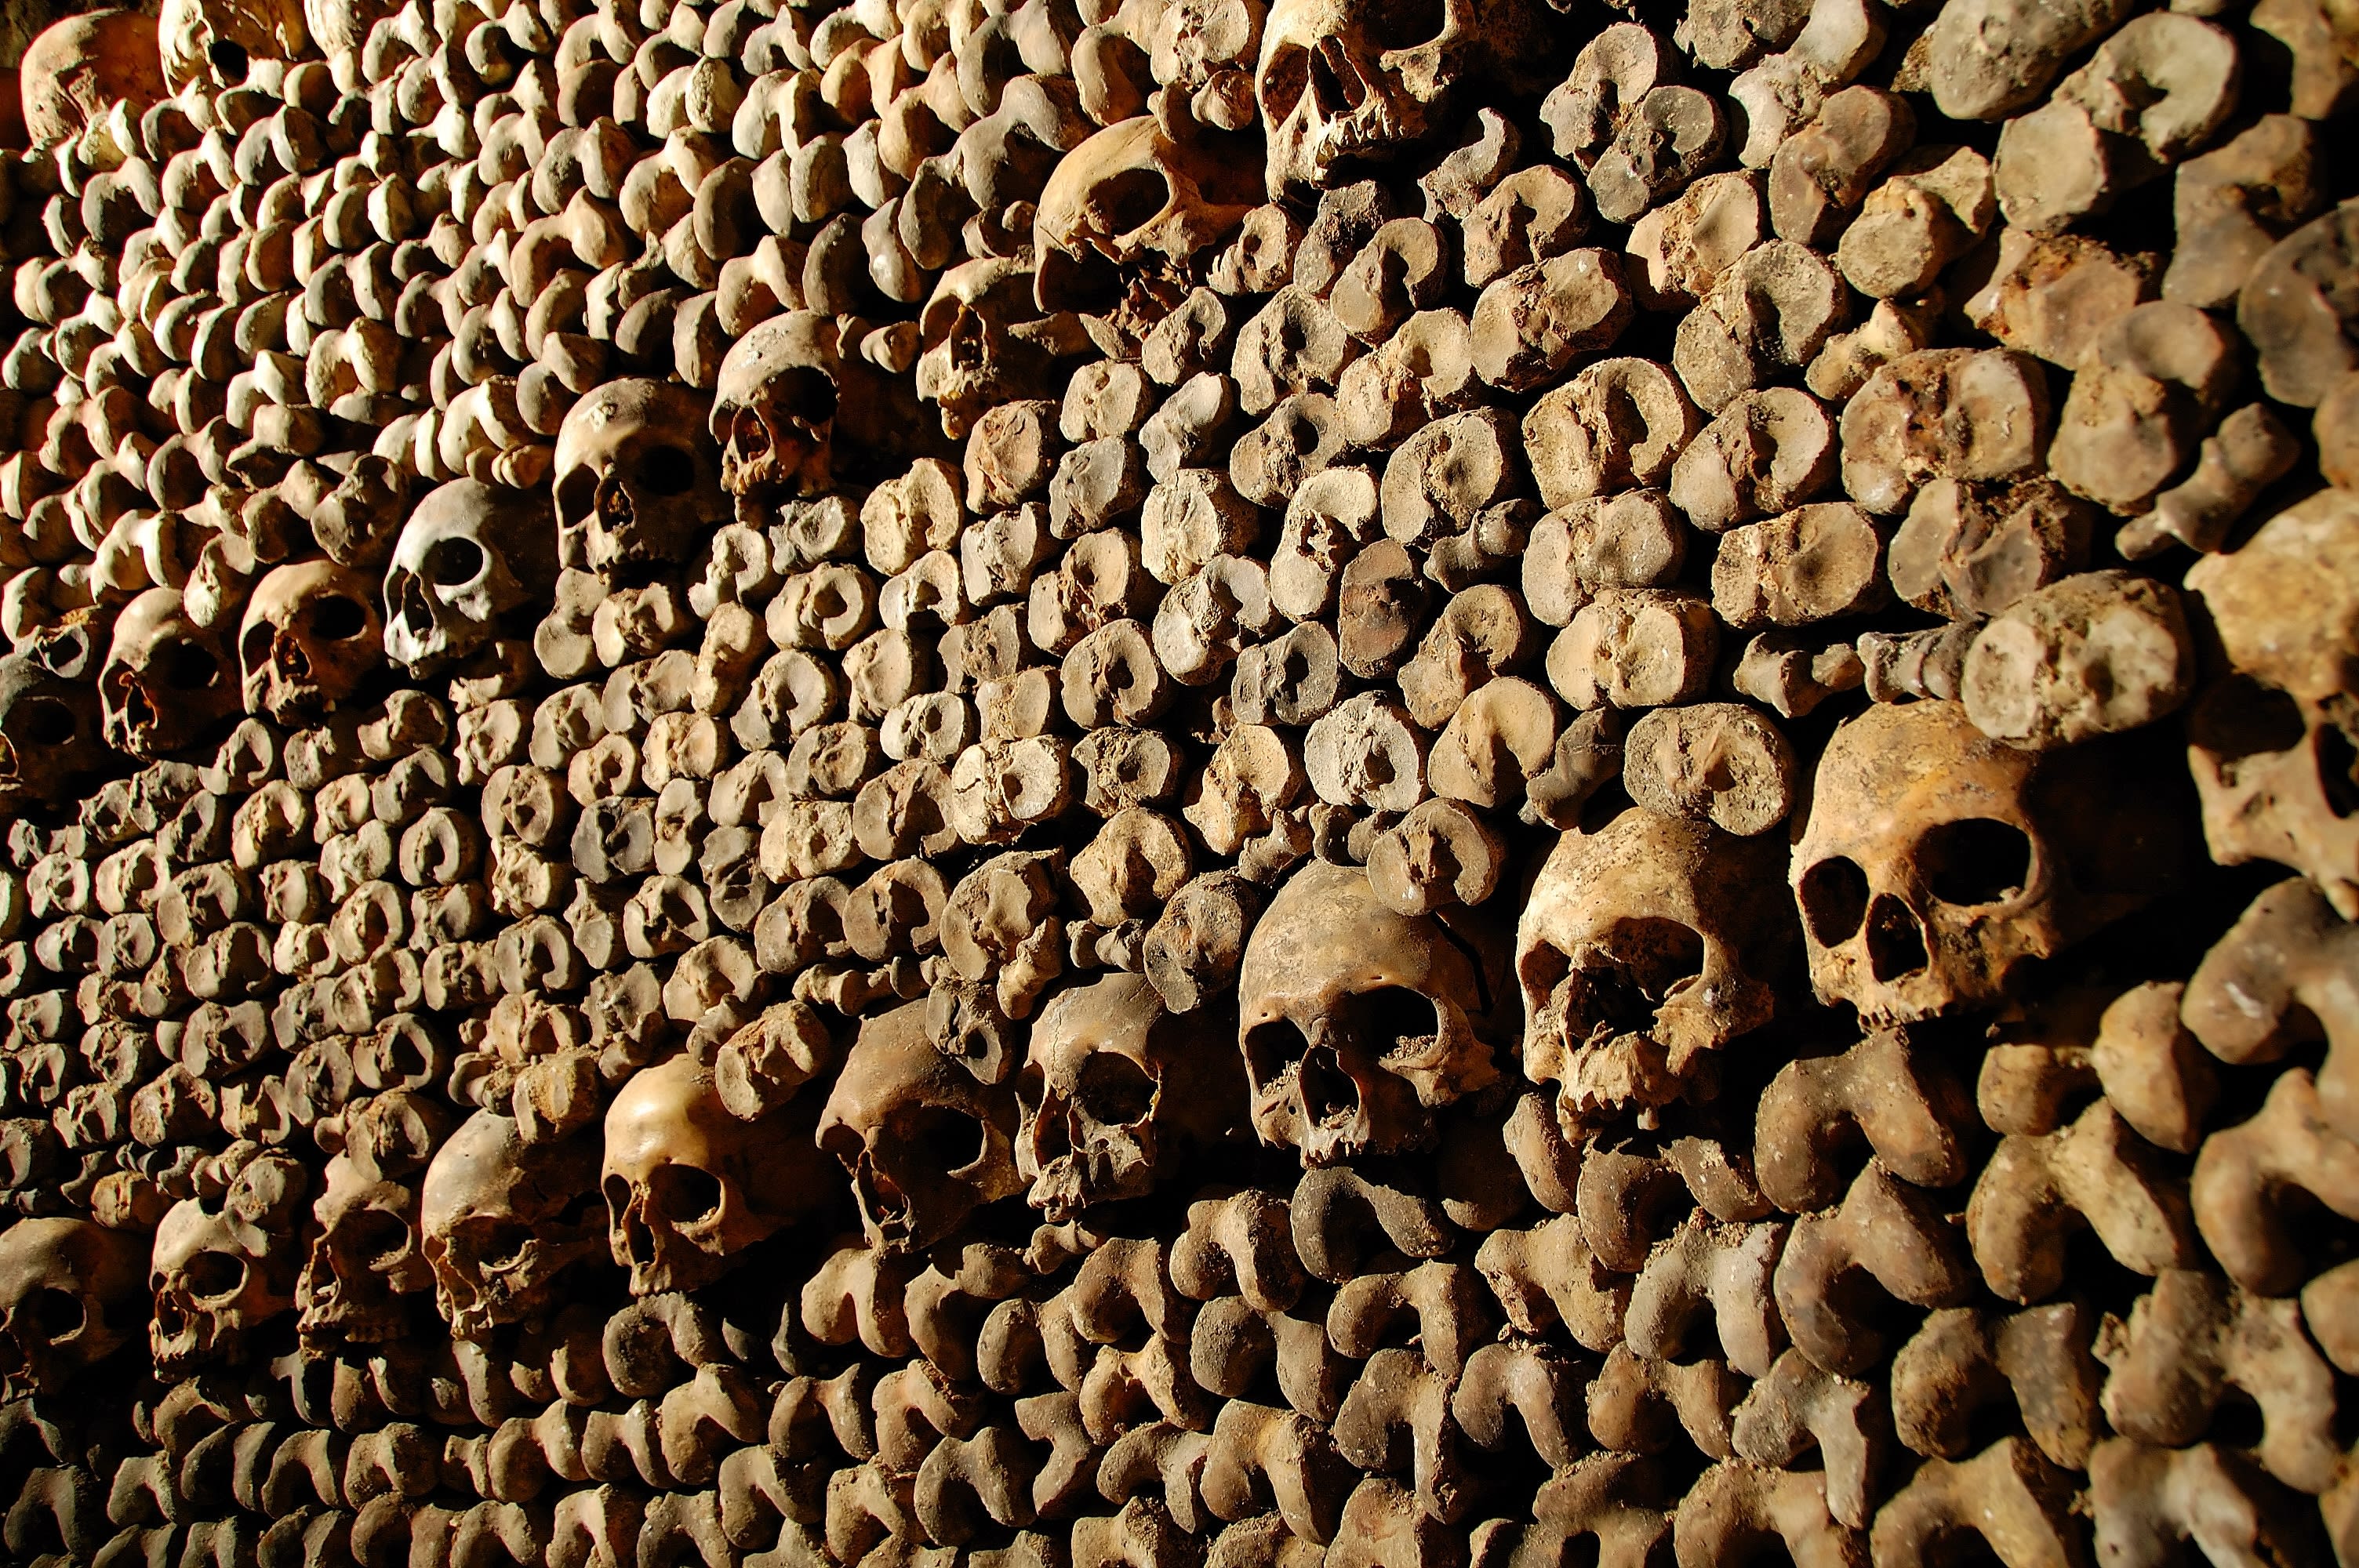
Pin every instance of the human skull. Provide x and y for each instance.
(1645, 947)
(924, 1142)
(986, 341)
(469, 557)
(2276, 747)
(504, 1220)
(1114, 1088)
(364, 1259)
(774, 406)
(1124, 218)
(167, 684)
(1357, 1022)
(49, 732)
(80, 66)
(214, 40)
(690, 1187)
(1348, 81)
(1937, 861)
(638, 483)
(311, 632)
(69, 1298)
(221, 1270)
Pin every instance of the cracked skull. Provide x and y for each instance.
(167, 684)
(503, 1220)
(1113, 1087)
(690, 1187)
(1125, 218)
(1359, 82)
(50, 732)
(69, 1296)
(2275, 746)
(924, 1142)
(469, 557)
(1937, 861)
(311, 632)
(1357, 1022)
(638, 483)
(222, 1269)
(1644, 947)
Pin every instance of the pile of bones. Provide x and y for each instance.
(1195, 784)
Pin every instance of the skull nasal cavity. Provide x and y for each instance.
(1895, 943)
(1834, 896)
(454, 562)
(1975, 861)
(667, 470)
(1328, 1093)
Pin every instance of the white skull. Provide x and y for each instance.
(638, 480)
(986, 341)
(168, 683)
(1356, 1023)
(1126, 216)
(469, 557)
(221, 1270)
(311, 632)
(1937, 860)
(2276, 751)
(214, 40)
(690, 1187)
(924, 1142)
(49, 732)
(69, 1297)
(504, 1220)
(1115, 1090)
(1352, 82)
(1645, 947)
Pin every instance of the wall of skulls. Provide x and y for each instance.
(1193, 783)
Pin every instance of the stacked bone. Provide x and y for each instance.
(1075, 784)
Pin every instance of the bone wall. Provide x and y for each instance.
(1192, 783)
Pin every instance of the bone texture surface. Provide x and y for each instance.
(1190, 783)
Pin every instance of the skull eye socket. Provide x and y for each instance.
(214, 1277)
(1975, 861)
(1282, 84)
(501, 1243)
(377, 1239)
(54, 1315)
(1115, 1091)
(577, 492)
(1834, 896)
(1406, 23)
(1130, 199)
(188, 668)
(334, 618)
(44, 722)
(1272, 1048)
(684, 1194)
(229, 60)
(453, 563)
(937, 1138)
(667, 470)
(2241, 718)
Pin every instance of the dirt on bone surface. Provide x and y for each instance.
(1054, 782)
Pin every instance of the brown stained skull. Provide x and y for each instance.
(221, 1270)
(1349, 82)
(1356, 1023)
(986, 341)
(2275, 746)
(81, 66)
(924, 1142)
(1938, 862)
(1115, 1090)
(470, 557)
(1646, 947)
(775, 407)
(1128, 217)
(364, 1261)
(688, 1186)
(311, 634)
(49, 733)
(504, 1221)
(69, 1296)
(167, 684)
(638, 482)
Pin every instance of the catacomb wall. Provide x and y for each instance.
(1430, 783)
